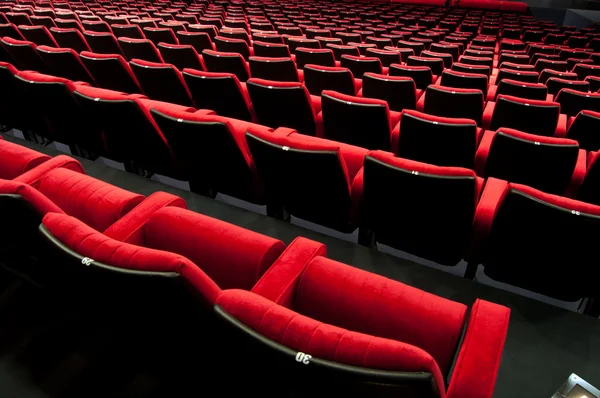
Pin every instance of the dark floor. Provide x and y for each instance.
(545, 344)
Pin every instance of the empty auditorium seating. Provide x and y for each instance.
(70, 38)
(284, 104)
(40, 35)
(530, 116)
(228, 97)
(103, 42)
(305, 56)
(111, 71)
(456, 79)
(24, 54)
(162, 82)
(361, 65)
(573, 101)
(430, 216)
(437, 140)
(66, 63)
(278, 69)
(534, 91)
(310, 178)
(556, 84)
(584, 128)
(360, 121)
(545, 163)
(139, 49)
(399, 92)
(181, 56)
(516, 226)
(452, 102)
(222, 62)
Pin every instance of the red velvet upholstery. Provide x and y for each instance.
(232, 256)
(92, 201)
(16, 159)
(92, 244)
(33, 176)
(39, 202)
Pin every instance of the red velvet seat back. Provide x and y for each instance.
(232, 256)
(92, 201)
(360, 301)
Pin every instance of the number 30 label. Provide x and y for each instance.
(303, 358)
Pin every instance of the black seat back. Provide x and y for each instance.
(318, 79)
(421, 75)
(534, 91)
(452, 78)
(454, 102)
(162, 83)
(399, 92)
(529, 116)
(226, 63)
(278, 69)
(323, 57)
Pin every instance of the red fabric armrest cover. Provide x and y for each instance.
(561, 126)
(488, 112)
(421, 102)
(483, 151)
(130, 227)
(234, 257)
(33, 176)
(278, 284)
(491, 198)
(578, 175)
(478, 361)
(35, 198)
(491, 94)
(90, 243)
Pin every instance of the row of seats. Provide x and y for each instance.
(430, 211)
(85, 236)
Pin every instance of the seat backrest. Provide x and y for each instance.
(544, 63)
(437, 140)
(534, 91)
(10, 30)
(206, 142)
(530, 116)
(364, 122)
(296, 42)
(130, 134)
(548, 73)
(399, 92)
(318, 78)
(313, 56)
(419, 208)
(454, 102)
(573, 101)
(103, 42)
(180, 55)
(65, 62)
(24, 54)
(221, 62)
(520, 249)
(468, 68)
(456, 79)
(111, 71)
(387, 57)
(470, 60)
(555, 84)
(40, 35)
(421, 75)
(339, 50)
(130, 31)
(199, 40)
(361, 65)
(585, 70)
(275, 50)
(17, 159)
(282, 104)
(70, 38)
(278, 69)
(227, 97)
(160, 35)
(162, 82)
(436, 64)
(514, 58)
(589, 191)
(140, 49)
(517, 67)
(308, 176)
(544, 163)
(225, 44)
(525, 77)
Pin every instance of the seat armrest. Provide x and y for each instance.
(483, 151)
(421, 102)
(570, 122)
(129, 228)
(491, 198)
(488, 112)
(561, 126)
(33, 176)
(491, 94)
(278, 284)
(479, 358)
(578, 175)
(356, 195)
(320, 126)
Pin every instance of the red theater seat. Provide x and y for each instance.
(111, 71)
(139, 49)
(364, 122)
(553, 165)
(419, 208)
(229, 62)
(399, 92)
(572, 101)
(516, 226)
(530, 116)
(277, 69)
(162, 82)
(437, 140)
(311, 178)
(65, 62)
(284, 104)
(452, 102)
(363, 342)
(16, 159)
